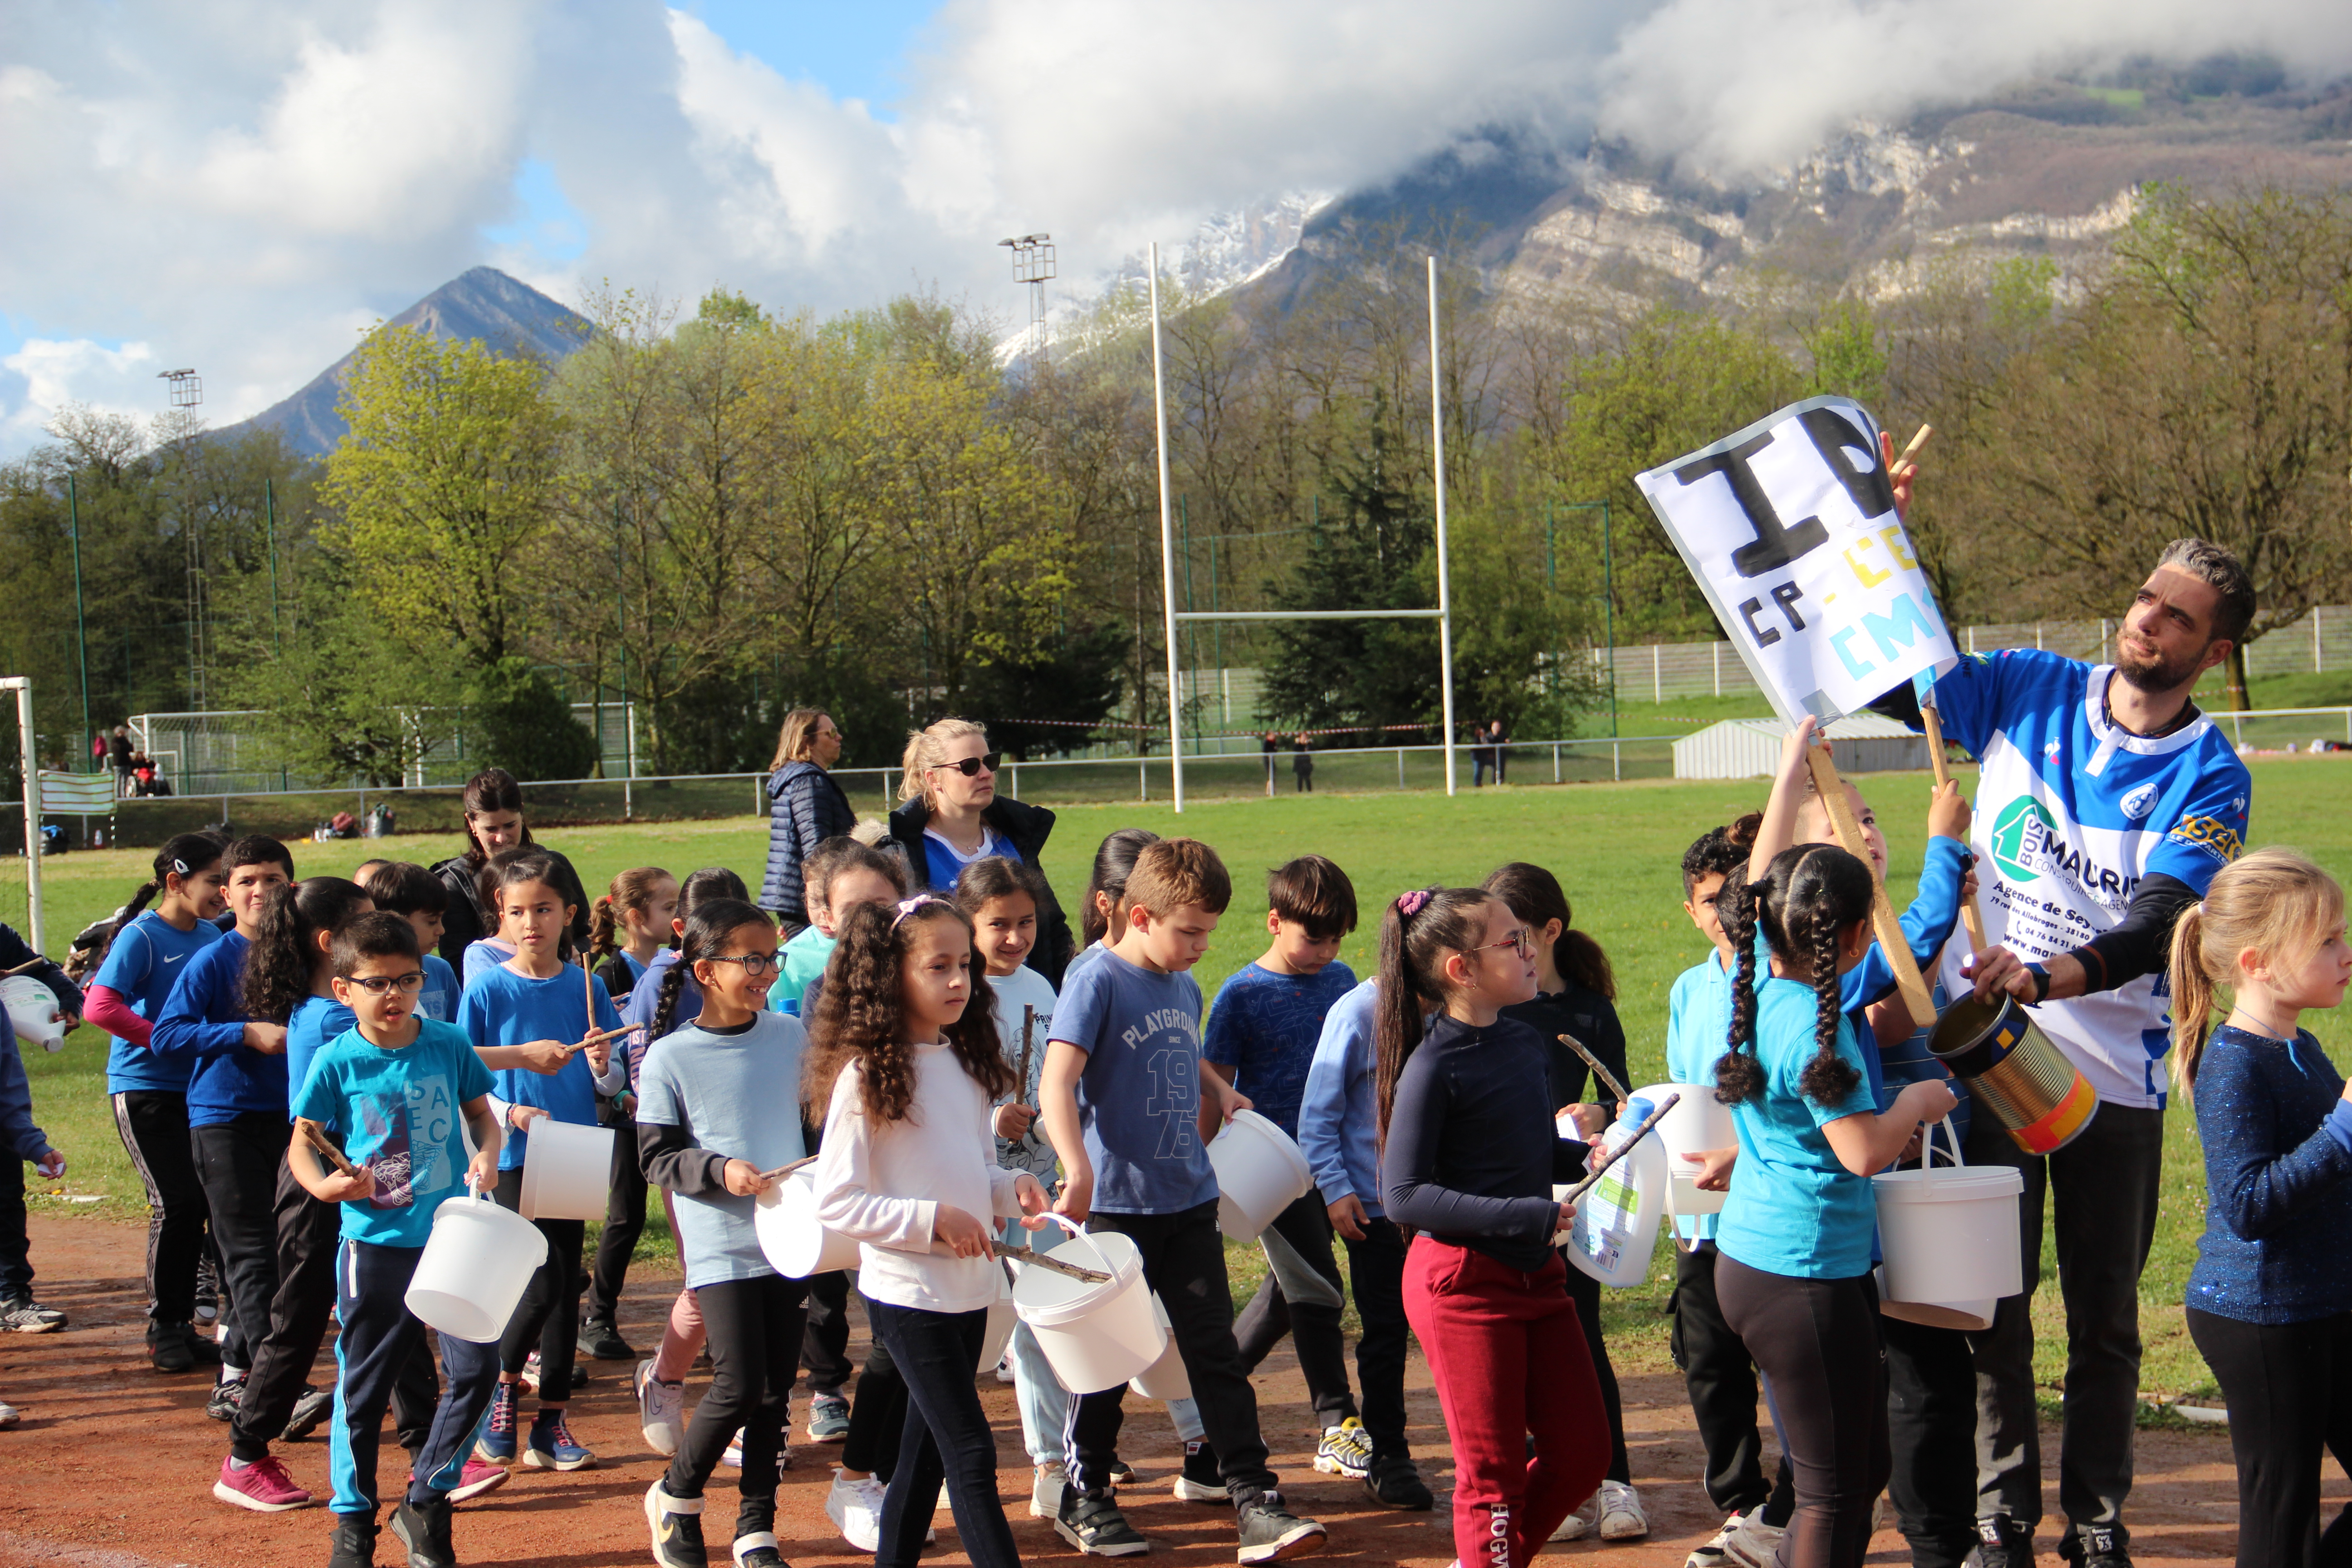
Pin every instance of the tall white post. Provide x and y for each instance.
(1445, 582)
(25, 742)
(1168, 541)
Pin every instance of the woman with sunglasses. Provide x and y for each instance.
(954, 816)
(806, 807)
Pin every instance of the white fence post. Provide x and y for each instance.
(1716, 649)
(1657, 677)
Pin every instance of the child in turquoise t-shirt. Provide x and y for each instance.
(396, 1085)
(840, 875)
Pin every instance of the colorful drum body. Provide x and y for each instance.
(2014, 1072)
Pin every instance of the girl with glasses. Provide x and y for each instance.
(952, 816)
(718, 1113)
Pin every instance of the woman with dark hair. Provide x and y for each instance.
(494, 822)
(954, 816)
(806, 807)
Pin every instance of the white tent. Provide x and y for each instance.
(1751, 748)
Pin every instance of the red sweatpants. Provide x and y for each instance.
(1510, 1359)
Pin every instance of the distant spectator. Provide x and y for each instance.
(806, 807)
(118, 752)
(1486, 752)
(1302, 764)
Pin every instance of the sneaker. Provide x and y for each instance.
(1091, 1522)
(8, 1417)
(22, 1315)
(552, 1447)
(661, 1409)
(1270, 1532)
(1121, 1472)
(496, 1445)
(602, 1341)
(1711, 1553)
(424, 1528)
(1580, 1520)
(1755, 1544)
(262, 1485)
(474, 1478)
(2001, 1542)
(1395, 1482)
(315, 1405)
(172, 1347)
(1200, 1481)
(828, 1420)
(1621, 1517)
(758, 1551)
(2095, 1546)
(227, 1395)
(1045, 1489)
(1005, 1369)
(856, 1509)
(1346, 1450)
(733, 1457)
(676, 1526)
(352, 1545)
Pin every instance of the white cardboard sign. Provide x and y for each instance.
(1790, 527)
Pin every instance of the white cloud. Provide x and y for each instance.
(115, 380)
(241, 185)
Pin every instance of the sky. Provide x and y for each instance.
(245, 187)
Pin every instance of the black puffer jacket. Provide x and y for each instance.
(806, 807)
(1028, 826)
(464, 922)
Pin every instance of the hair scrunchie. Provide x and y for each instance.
(1411, 904)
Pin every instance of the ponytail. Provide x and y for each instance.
(632, 890)
(1829, 1078)
(2274, 903)
(673, 981)
(1739, 1076)
(2192, 999)
(1582, 960)
(604, 930)
(1417, 930)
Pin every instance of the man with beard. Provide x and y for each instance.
(2105, 805)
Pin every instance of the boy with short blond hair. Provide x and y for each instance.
(1127, 1105)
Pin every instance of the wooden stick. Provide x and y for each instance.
(786, 1169)
(1888, 930)
(1618, 1153)
(1030, 1258)
(1607, 1078)
(1969, 915)
(599, 1037)
(1028, 1023)
(320, 1141)
(1911, 451)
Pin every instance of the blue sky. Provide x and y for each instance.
(856, 51)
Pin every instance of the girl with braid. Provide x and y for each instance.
(1796, 1233)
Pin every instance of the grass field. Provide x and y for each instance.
(1615, 846)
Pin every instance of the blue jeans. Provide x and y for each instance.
(946, 1437)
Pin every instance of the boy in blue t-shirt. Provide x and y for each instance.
(395, 1085)
(1125, 1102)
(1261, 1039)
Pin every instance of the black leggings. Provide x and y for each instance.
(2289, 1389)
(624, 1223)
(1818, 1342)
(1585, 1291)
(949, 1439)
(153, 1125)
(754, 1327)
(547, 1319)
(824, 1348)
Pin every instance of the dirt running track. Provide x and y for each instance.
(113, 1465)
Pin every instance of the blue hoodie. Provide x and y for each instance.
(205, 1023)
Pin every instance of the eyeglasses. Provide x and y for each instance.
(972, 767)
(754, 965)
(407, 984)
(1521, 941)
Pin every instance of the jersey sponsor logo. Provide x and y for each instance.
(2216, 838)
(174, 957)
(2027, 846)
(2140, 802)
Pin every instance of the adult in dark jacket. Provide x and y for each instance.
(952, 816)
(494, 822)
(806, 807)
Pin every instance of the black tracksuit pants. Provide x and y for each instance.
(236, 1161)
(153, 1126)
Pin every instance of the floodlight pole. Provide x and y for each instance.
(1445, 582)
(1167, 542)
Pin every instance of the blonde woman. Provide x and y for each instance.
(806, 807)
(952, 816)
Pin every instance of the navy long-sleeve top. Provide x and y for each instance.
(205, 1021)
(2277, 1247)
(1472, 1154)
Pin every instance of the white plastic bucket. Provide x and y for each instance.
(33, 1012)
(1615, 1229)
(787, 1223)
(1095, 1336)
(1260, 1173)
(1950, 1237)
(567, 1169)
(477, 1262)
(1698, 1124)
(1166, 1378)
(1000, 1319)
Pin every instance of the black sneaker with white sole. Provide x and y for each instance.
(1200, 1481)
(1270, 1532)
(602, 1341)
(225, 1397)
(315, 1405)
(22, 1315)
(353, 1544)
(1394, 1482)
(1091, 1522)
(424, 1528)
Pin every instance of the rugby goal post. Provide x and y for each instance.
(29, 757)
(1442, 615)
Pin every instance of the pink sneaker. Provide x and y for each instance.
(475, 1478)
(262, 1485)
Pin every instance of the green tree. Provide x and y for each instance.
(516, 719)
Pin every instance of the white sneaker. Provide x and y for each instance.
(734, 1453)
(661, 1410)
(1710, 1553)
(1046, 1491)
(856, 1509)
(1754, 1543)
(1581, 1519)
(1005, 1369)
(1621, 1517)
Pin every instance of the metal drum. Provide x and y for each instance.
(2014, 1072)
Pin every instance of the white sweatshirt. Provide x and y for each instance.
(882, 1184)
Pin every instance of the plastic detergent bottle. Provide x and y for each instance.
(1615, 1230)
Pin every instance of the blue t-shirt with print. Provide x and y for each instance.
(142, 967)
(1794, 1208)
(503, 1009)
(315, 1021)
(438, 1000)
(1140, 1092)
(1262, 1027)
(401, 1112)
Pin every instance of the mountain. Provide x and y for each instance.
(483, 304)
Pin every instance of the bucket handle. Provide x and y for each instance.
(1078, 1231)
(1927, 1150)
